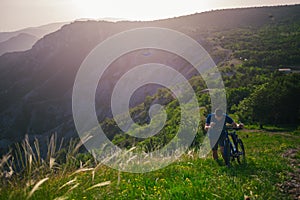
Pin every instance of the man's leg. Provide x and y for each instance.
(214, 148)
(222, 151)
(215, 154)
(221, 143)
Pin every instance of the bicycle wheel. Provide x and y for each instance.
(241, 152)
(227, 152)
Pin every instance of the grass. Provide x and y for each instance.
(190, 177)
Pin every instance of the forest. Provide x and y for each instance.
(257, 92)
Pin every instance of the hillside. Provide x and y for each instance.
(36, 85)
(41, 156)
(24, 39)
(271, 172)
(38, 32)
(20, 42)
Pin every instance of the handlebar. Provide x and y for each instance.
(240, 126)
(233, 128)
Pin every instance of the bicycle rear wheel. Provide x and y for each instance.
(241, 152)
(227, 152)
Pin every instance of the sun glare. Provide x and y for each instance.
(35, 13)
(137, 9)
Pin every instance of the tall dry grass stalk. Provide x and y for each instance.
(6, 169)
(99, 185)
(82, 170)
(72, 188)
(68, 183)
(36, 187)
(4, 160)
(61, 198)
(51, 147)
(26, 160)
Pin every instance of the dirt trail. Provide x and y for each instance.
(292, 186)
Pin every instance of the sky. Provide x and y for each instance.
(18, 14)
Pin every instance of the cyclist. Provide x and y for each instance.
(215, 125)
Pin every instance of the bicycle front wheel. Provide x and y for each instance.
(241, 152)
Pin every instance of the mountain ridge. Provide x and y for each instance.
(21, 42)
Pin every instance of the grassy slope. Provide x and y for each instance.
(189, 178)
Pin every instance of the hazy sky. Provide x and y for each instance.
(17, 14)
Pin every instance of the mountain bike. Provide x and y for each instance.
(233, 147)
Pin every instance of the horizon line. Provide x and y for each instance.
(120, 19)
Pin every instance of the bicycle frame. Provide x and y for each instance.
(231, 147)
(233, 144)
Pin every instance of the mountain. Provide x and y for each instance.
(36, 85)
(38, 32)
(21, 42)
(24, 39)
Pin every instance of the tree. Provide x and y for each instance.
(275, 102)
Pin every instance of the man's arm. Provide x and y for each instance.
(207, 123)
(206, 127)
(230, 121)
(234, 124)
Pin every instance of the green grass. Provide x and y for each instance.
(190, 177)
